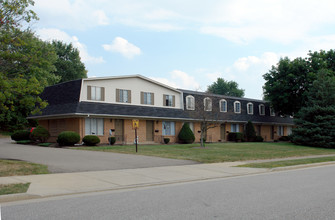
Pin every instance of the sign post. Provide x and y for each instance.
(136, 125)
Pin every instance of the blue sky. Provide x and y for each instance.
(188, 44)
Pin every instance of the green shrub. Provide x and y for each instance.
(235, 136)
(24, 142)
(68, 138)
(259, 138)
(91, 140)
(186, 135)
(166, 140)
(284, 138)
(250, 132)
(111, 140)
(20, 135)
(40, 134)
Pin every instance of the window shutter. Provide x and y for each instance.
(164, 101)
(173, 101)
(152, 99)
(102, 93)
(129, 96)
(117, 94)
(142, 97)
(89, 93)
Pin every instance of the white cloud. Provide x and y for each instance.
(101, 17)
(165, 81)
(121, 45)
(184, 80)
(56, 34)
(265, 61)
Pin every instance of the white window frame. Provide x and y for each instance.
(147, 98)
(234, 128)
(207, 104)
(272, 112)
(251, 109)
(94, 126)
(123, 96)
(235, 107)
(226, 106)
(96, 93)
(168, 128)
(261, 106)
(190, 102)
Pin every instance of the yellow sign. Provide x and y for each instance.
(136, 123)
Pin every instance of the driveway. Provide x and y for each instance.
(61, 160)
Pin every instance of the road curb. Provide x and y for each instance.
(17, 197)
(302, 166)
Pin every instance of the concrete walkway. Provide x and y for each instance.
(81, 182)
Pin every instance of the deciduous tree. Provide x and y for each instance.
(223, 87)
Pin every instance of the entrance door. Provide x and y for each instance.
(119, 130)
(223, 132)
(150, 130)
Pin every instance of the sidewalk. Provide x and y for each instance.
(71, 183)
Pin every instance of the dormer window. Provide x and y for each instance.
(223, 105)
(169, 100)
(207, 104)
(147, 98)
(237, 107)
(190, 102)
(250, 108)
(261, 109)
(123, 95)
(272, 112)
(95, 93)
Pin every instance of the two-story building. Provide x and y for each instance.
(106, 106)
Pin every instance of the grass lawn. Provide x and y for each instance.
(286, 163)
(218, 152)
(14, 188)
(18, 168)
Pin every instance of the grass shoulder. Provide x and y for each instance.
(19, 168)
(218, 152)
(14, 188)
(285, 163)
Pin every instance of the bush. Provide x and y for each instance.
(68, 138)
(40, 134)
(166, 140)
(235, 136)
(24, 142)
(250, 133)
(284, 138)
(111, 140)
(91, 140)
(259, 138)
(20, 135)
(186, 135)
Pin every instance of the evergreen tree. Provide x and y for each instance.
(186, 135)
(250, 132)
(316, 122)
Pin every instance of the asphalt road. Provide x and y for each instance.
(299, 194)
(66, 160)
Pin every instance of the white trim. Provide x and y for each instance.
(260, 109)
(210, 104)
(237, 112)
(272, 112)
(252, 109)
(192, 102)
(223, 100)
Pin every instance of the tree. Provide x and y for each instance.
(68, 65)
(250, 132)
(287, 83)
(14, 12)
(222, 87)
(186, 135)
(316, 121)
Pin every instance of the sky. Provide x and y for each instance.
(188, 44)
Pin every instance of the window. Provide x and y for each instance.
(272, 112)
(189, 102)
(261, 109)
(250, 108)
(95, 93)
(147, 98)
(223, 105)
(280, 130)
(234, 128)
(168, 128)
(207, 104)
(94, 126)
(169, 100)
(123, 95)
(237, 107)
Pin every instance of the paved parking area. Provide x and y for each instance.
(61, 160)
